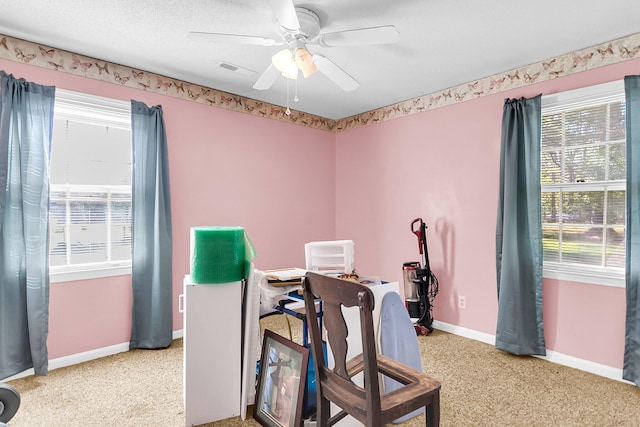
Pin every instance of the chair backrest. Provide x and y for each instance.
(336, 293)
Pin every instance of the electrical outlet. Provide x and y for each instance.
(462, 302)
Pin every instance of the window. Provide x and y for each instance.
(90, 203)
(583, 172)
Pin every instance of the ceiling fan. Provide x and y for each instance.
(301, 27)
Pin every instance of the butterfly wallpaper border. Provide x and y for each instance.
(608, 53)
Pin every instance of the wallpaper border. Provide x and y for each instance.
(18, 50)
(607, 53)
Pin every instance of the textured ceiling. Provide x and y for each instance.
(442, 43)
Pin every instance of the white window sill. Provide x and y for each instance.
(88, 271)
(585, 274)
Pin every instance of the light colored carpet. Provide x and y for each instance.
(481, 386)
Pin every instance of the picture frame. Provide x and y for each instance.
(281, 382)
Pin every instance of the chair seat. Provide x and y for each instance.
(416, 385)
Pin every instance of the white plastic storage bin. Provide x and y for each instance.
(330, 257)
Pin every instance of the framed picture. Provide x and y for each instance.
(281, 382)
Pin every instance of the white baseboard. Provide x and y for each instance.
(464, 332)
(86, 356)
(552, 356)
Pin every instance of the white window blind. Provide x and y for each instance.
(90, 204)
(583, 171)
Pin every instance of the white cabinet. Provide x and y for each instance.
(212, 351)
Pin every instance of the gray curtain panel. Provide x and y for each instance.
(631, 368)
(519, 231)
(152, 319)
(26, 123)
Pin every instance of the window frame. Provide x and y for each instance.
(573, 99)
(91, 109)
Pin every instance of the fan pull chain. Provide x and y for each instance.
(295, 98)
(287, 111)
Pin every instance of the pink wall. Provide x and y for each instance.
(87, 315)
(442, 165)
(585, 321)
(365, 184)
(226, 168)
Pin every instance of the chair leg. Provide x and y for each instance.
(432, 414)
(323, 413)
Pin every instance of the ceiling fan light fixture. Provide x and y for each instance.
(284, 62)
(291, 73)
(300, 27)
(304, 61)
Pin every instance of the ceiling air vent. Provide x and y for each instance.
(236, 69)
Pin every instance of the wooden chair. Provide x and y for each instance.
(367, 404)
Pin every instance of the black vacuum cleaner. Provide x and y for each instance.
(420, 284)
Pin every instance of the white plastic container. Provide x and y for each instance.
(330, 257)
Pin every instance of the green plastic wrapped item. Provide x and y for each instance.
(219, 254)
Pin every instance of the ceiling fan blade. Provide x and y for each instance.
(267, 79)
(375, 35)
(231, 38)
(286, 14)
(335, 73)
